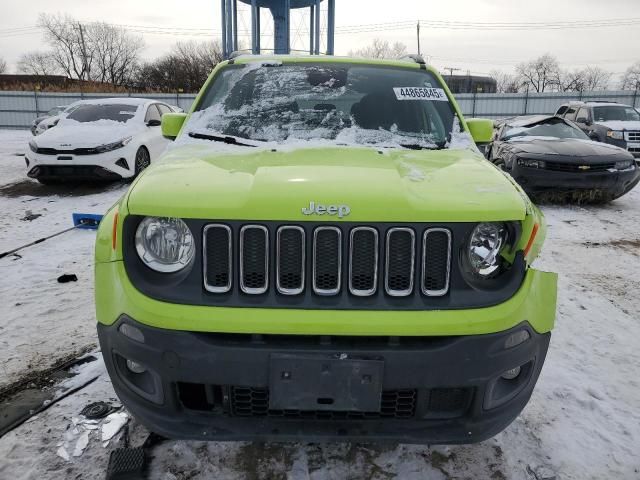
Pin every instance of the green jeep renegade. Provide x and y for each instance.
(324, 254)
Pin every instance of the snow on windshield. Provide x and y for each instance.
(339, 104)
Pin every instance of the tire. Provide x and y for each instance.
(142, 160)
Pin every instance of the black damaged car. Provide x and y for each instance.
(548, 154)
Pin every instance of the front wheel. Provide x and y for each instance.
(143, 160)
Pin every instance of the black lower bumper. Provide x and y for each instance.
(434, 390)
(72, 172)
(611, 184)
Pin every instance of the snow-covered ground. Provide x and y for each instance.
(583, 421)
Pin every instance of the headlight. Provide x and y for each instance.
(624, 164)
(112, 146)
(615, 134)
(164, 244)
(485, 244)
(529, 163)
(33, 146)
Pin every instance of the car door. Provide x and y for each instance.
(155, 142)
(583, 120)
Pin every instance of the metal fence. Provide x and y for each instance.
(18, 109)
(500, 105)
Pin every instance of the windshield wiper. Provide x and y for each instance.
(220, 138)
(417, 146)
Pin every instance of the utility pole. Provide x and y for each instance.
(85, 64)
(418, 32)
(451, 70)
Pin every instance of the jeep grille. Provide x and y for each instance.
(404, 258)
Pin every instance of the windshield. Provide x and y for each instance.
(55, 111)
(93, 113)
(336, 102)
(614, 112)
(553, 128)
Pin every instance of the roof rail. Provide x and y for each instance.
(239, 53)
(413, 57)
(600, 101)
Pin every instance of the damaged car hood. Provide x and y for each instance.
(566, 149)
(373, 184)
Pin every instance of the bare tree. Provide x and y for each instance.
(94, 51)
(571, 80)
(381, 49)
(69, 48)
(587, 79)
(3, 65)
(631, 78)
(185, 68)
(38, 63)
(596, 78)
(541, 74)
(115, 53)
(506, 82)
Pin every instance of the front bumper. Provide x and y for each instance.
(216, 386)
(614, 183)
(114, 165)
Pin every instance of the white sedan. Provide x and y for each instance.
(106, 139)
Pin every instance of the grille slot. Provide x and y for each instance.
(400, 262)
(217, 248)
(570, 167)
(290, 264)
(436, 262)
(327, 260)
(254, 259)
(254, 402)
(363, 261)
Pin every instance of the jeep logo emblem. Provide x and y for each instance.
(319, 209)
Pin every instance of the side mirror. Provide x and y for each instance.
(481, 129)
(582, 120)
(153, 123)
(172, 124)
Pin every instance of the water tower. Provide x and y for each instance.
(280, 11)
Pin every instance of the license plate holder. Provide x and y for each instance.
(325, 383)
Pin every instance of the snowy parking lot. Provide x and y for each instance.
(583, 421)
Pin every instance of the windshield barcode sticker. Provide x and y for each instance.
(420, 93)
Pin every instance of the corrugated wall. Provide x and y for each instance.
(498, 105)
(18, 109)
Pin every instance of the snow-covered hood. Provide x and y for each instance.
(621, 125)
(71, 135)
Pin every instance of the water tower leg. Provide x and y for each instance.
(331, 23)
(317, 29)
(235, 25)
(311, 24)
(280, 13)
(225, 52)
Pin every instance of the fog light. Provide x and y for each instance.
(508, 375)
(135, 367)
(132, 332)
(516, 339)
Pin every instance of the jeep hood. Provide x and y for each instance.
(393, 185)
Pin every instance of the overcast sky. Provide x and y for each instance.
(613, 48)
